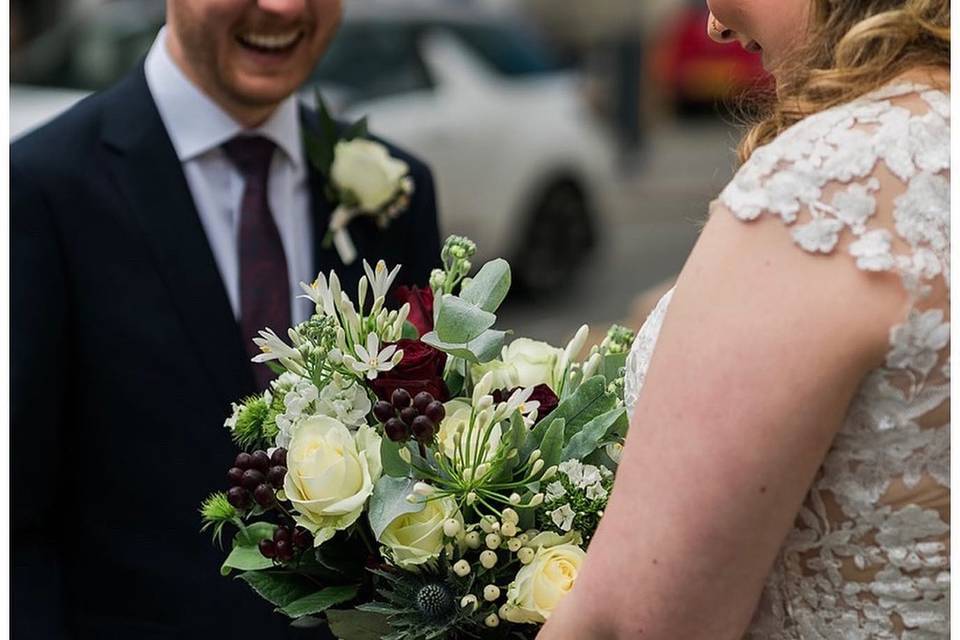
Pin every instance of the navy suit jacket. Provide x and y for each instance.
(125, 356)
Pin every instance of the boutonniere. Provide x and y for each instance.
(362, 178)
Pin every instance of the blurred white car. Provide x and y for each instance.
(522, 166)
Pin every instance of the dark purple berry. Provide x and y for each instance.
(275, 476)
(234, 476)
(400, 399)
(302, 539)
(279, 457)
(423, 429)
(268, 549)
(383, 411)
(281, 533)
(435, 412)
(421, 401)
(252, 479)
(260, 461)
(244, 460)
(284, 550)
(408, 415)
(396, 430)
(264, 495)
(239, 498)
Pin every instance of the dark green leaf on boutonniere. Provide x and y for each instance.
(320, 147)
(358, 129)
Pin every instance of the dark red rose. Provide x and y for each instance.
(420, 370)
(541, 393)
(421, 306)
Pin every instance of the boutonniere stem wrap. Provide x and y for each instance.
(365, 181)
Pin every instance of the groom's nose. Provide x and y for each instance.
(290, 9)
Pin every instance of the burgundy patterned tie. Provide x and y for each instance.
(264, 287)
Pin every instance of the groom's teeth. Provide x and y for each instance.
(268, 41)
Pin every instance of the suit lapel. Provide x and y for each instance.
(151, 178)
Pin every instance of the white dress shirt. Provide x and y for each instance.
(197, 126)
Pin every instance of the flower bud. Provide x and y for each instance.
(535, 455)
(536, 500)
(405, 455)
(508, 529)
(576, 344)
(509, 515)
(471, 498)
(472, 540)
(515, 498)
(423, 489)
(492, 541)
(537, 466)
(514, 544)
(451, 528)
(492, 620)
(486, 523)
(488, 559)
(461, 568)
(491, 592)
(469, 600)
(525, 555)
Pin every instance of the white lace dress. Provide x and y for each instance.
(868, 556)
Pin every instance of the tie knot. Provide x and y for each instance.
(250, 154)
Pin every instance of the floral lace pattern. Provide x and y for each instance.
(868, 556)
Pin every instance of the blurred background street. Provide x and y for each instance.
(582, 141)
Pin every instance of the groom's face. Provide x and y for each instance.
(249, 55)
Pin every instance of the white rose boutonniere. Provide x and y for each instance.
(363, 179)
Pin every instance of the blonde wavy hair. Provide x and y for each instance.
(854, 47)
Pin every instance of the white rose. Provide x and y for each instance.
(505, 374)
(345, 400)
(454, 427)
(366, 169)
(416, 538)
(536, 362)
(330, 474)
(541, 585)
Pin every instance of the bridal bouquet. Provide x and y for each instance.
(411, 473)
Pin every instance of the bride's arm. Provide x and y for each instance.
(761, 352)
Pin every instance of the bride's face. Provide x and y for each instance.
(766, 27)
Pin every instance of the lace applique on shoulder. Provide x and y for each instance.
(868, 557)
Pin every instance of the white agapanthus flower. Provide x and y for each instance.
(371, 361)
(324, 293)
(345, 400)
(563, 517)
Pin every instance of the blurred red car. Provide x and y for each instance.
(694, 71)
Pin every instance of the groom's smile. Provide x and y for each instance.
(250, 55)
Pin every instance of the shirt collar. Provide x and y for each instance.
(196, 124)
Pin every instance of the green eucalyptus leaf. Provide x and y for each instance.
(393, 464)
(588, 439)
(320, 601)
(389, 502)
(552, 445)
(489, 287)
(459, 321)
(482, 349)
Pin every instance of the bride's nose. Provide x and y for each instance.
(718, 32)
